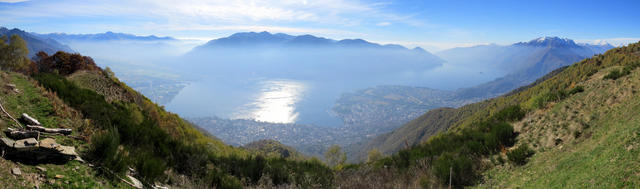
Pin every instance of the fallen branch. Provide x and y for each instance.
(29, 119)
(14, 119)
(19, 134)
(49, 130)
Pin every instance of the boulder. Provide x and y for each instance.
(32, 151)
(16, 171)
(11, 87)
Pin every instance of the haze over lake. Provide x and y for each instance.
(284, 100)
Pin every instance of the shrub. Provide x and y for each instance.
(519, 155)
(540, 100)
(460, 166)
(151, 168)
(510, 113)
(104, 149)
(613, 75)
(577, 89)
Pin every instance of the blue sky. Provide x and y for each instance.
(433, 25)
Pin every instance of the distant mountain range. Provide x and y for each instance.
(529, 61)
(284, 40)
(107, 36)
(268, 54)
(36, 43)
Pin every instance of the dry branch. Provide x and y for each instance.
(49, 130)
(14, 119)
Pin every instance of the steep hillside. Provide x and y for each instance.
(588, 140)
(121, 135)
(526, 62)
(45, 106)
(577, 124)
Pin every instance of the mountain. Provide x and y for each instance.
(572, 127)
(598, 48)
(533, 60)
(107, 36)
(36, 43)
(312, 56)
(281, 40)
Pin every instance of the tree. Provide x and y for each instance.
(374, 155)
(14, 55)
(335, 157)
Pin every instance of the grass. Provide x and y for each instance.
(607, 158)
(51, 112)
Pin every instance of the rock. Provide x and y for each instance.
(26, 143)
(48, 143)
(158, 186)
(16, 171)
(11, 87)
(59, 176)
(31, 151)
(52, 181)
(135, 182)
(41, 169)
(29, 120)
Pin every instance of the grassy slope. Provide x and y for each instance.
(596, 133)
(114, 90)
(51, 112)
(600, 131)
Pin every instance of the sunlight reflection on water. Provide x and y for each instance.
(276, 102)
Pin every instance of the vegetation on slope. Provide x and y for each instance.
(463, 150)
(587, 140)
(119, 128)
(163, 141)
(272, 148)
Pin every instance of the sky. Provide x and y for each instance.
(431, 24)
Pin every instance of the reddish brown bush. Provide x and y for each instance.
(64, 63)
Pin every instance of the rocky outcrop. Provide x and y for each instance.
(30, 150)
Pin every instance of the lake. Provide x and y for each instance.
(303, 101)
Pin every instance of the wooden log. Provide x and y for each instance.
(19, 134)
(29, 119)
(49, 130)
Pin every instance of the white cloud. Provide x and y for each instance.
(613, 41)
(325, 13)
(12, 1)
(383, 24)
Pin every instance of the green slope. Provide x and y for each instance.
(120, 132)
(51, 112)
(579, 122)
(599, 129)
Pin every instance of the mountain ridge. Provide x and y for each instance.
(36, 43)
(106, 36)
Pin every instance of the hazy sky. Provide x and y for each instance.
(430, 24)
